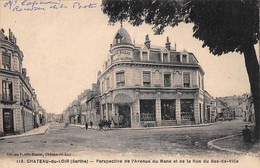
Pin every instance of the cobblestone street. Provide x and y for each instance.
(169, 141)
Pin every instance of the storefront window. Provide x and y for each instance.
(104, 111)
(109, 110)
(147, 110)
(168, 109)
(187, 109)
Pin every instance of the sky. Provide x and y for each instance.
(65, 48)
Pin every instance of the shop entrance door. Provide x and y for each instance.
(124, 119)
(8, 121)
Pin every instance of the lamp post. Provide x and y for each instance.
(23, 104)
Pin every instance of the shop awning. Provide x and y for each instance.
(122, 99)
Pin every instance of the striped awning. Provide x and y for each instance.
(122, 99)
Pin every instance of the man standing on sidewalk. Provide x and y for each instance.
(86, 125)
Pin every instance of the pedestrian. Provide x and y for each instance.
(246, 134)
(109, 124)
(91, 123)
(247, 137)
(86, 125)
(100, 126)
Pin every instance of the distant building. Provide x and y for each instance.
(145, 85)
(209, 107)
(83, 106)
(93, 106)
(18, 101)
(74, 112)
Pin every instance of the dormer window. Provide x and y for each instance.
(165, 57)
(184, 59)
(178, 59)
(144, 56)
(118, 38)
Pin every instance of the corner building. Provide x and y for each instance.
(18, 101)
(142, 85)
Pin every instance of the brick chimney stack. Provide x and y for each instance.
(168, 44)
(147, 42)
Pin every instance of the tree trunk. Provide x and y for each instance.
(252, 67)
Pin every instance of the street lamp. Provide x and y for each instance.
(23, 103)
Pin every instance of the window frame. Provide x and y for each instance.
(146, 52)
(164, 83)
(7, 66)
(7, 90)
(120, 83)
(145, 83)
(183, 81)
(165, 60)
(186, 58)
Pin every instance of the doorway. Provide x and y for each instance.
(8, 121)
(124, 119)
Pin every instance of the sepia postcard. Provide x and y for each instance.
(82, 87)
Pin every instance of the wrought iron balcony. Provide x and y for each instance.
(8, 99)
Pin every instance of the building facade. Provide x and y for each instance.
(18, 101)
(142, 85)
(93, 106)
(209, 107)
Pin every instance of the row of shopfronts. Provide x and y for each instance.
(143, 86)
(19, 108)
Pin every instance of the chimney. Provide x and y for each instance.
(10, 35)
(147, 42)
(13, 38)
(99, 73)
(110, 48)
(168, 44)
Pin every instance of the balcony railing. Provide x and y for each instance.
(8, 99)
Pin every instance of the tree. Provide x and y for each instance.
(223, 26)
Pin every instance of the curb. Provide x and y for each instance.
(24, 135)
(161, 127)
(211, 145)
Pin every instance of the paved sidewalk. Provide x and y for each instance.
(36, 131)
